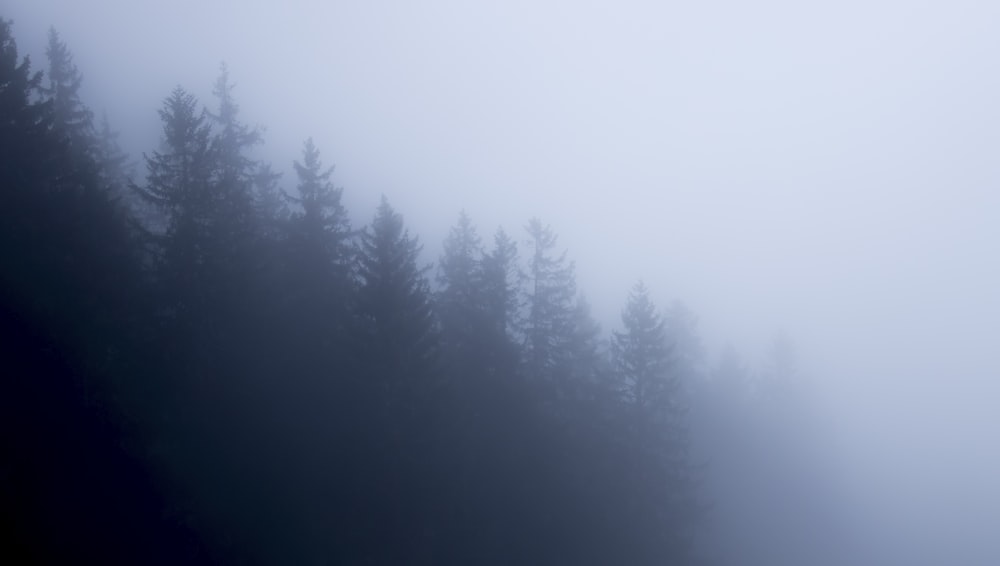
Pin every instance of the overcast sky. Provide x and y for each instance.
(829, 169)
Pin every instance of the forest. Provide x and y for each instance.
(205, 362)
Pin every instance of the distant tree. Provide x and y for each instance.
(318, 264)
(24, 127)
(114, 162)
(656, 416)
(235, 230)
(70, 116)
(399, 385)
(549, 299)
(460, 300)
(71, 122)
(322, 225)
(394, 299)
(501, 296)
(588, 365)
(681, 326)
(179, 185)
(233, 169)
(116, 171)
(642, 355)
(270, 202)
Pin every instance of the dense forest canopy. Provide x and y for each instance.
(210, 357)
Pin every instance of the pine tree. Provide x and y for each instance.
(234, 170)
(233, 222)
(116, 171)
(399, 400)
(69, 115)
(322, 223)
(588, 367)
(642, 355)
(549, 295)
(659, 439)
(270, 202)
(394, 299)
(501, 299)
(459, 302)
(25, 123)
(71, 124)
(318, 262)
(501, 285)
(179, 185)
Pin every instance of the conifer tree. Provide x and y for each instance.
(114, 162)
(178, 184)
(25, 124)
(270, 202)
(588, 367)
(460, 300)
(70, 116)
(642, 355)
(501, 285)
(659, 437)
(394, 299)
(234, 169)
(549, 295)
(398, 383)
(318, 262)
(322, 225)
(501, 301)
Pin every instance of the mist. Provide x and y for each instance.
(817, 181)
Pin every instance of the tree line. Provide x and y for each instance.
(201, 366)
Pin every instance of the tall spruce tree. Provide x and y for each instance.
(655, 415)
(549, 299)
(318, 261)
(233, 169)
(270, 202)
(322, 226)
(459, 301)
(501, 284)
(70, 117)
(501, 296)
(394, 300)
(179, 185)
(642, 355)
(115, 168)
(400, 385)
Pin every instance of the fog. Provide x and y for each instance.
(823, 171)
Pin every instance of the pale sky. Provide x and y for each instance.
(829, 169)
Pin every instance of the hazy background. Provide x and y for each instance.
(828, 170)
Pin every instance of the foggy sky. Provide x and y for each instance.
(825, 169)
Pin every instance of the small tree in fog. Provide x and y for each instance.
(642, 356)
(69, 115)
(394, 299)
(319, 257)
(460, 300)
(549, 300)
(655, 416)
(178, 185)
